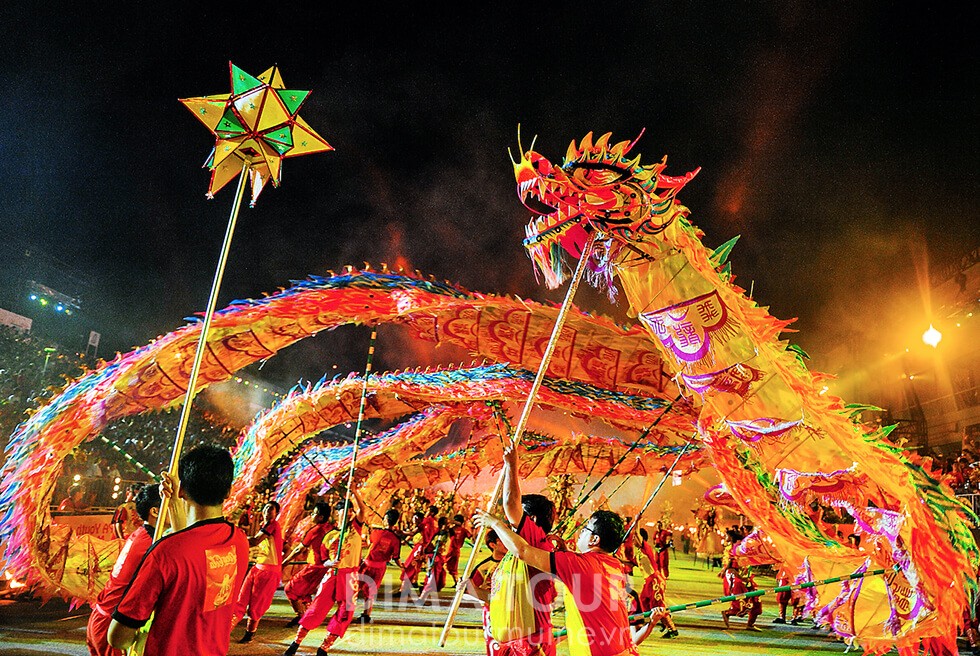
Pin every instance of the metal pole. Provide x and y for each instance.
(521, 425)
(202, 342)
(663, 480)
(583, 498)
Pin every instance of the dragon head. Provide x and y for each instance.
(597, 188)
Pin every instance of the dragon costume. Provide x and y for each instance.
(778, 440)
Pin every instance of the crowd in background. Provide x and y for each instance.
(961, 472)
(32, 371)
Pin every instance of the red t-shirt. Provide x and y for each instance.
(597, 585)
(629, 555)
(429, 529)
(385, 545)
(456, 538)
(543, 587)
(314, 540)
(189, 580)
(648, 552)
(129, 559)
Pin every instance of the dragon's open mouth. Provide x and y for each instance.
(532, 202)
(538, 206)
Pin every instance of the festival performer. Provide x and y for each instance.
(339, 587)
(147, 506)
(479, 585)
(737, 581)
(787, 597)
(663, 540)
(458, 533)
(597, 602)
(435, 576)
(426, 528)
(126, 519)
(628, 553)
(533, 515)
(300, 588)
(255, 597)
(189, 579)
(648, 561)
(385, 546)
(652, 598)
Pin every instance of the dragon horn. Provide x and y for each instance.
(533, 141)
(519, 146)
(633, 143)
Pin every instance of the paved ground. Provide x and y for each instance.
(29, 627)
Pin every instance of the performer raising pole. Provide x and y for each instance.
(522, 423)
(340, 585)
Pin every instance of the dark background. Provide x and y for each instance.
(838, 139)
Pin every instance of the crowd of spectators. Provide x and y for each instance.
(33, 370)
(961, 472)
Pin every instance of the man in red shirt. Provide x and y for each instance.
(189, 579)
(385, 546)
(416, 561)
(147, 506)
(628, 554)
(255, 597)
(663, 540)
(339, 587)
(597, 602)
(299, 591)
(457, 535)
(125, 519)
(75, 501)
(736, 581)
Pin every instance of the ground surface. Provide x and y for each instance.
(28, 627)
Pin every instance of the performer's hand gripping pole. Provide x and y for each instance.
(521, 425)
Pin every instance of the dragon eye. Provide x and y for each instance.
(540, 164)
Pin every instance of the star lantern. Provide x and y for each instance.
(257, 125)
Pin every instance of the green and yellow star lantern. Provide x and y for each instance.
(257, 125)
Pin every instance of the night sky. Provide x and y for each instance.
(839, 140)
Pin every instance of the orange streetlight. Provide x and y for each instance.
(932, 337)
